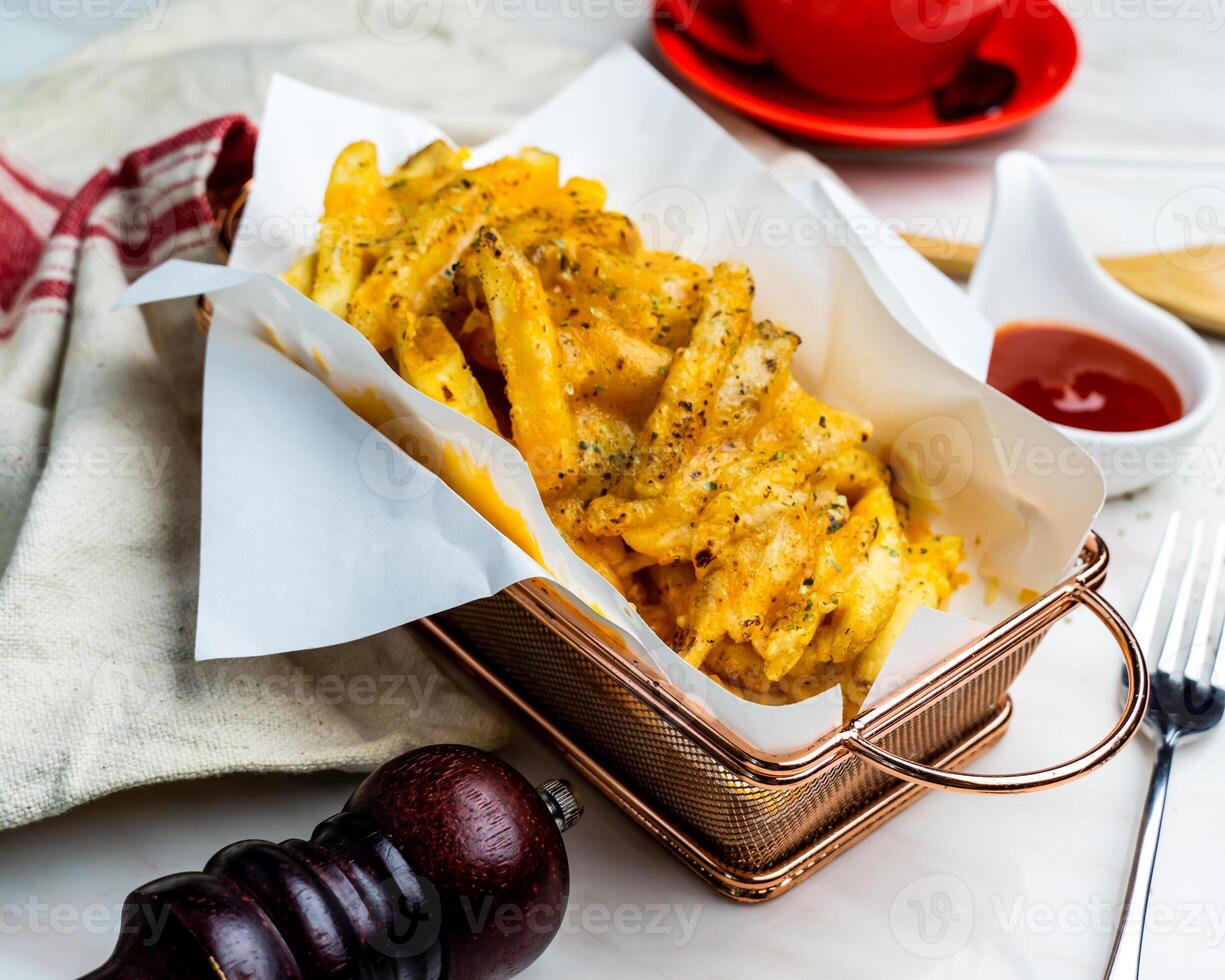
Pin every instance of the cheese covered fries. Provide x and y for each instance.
(675, 452)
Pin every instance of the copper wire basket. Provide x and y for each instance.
(753, 825)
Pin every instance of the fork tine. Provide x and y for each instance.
(1198, 665)
(1167, 663)
(1218, 668)
(1145, 623)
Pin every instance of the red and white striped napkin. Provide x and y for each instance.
(155, 203)
(99, 517)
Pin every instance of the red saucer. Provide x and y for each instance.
(1034, 39)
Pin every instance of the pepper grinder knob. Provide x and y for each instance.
(563, 802)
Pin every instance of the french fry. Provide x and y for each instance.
(605, 447)
(658, 301)
(912, 593)
(582, 194)
(435, 237)
(528, 352)
(871, 587)
(693, 380)
(355, 185)
(679, 278)
(476, 339)
(602, 359)
(423, 173)
(355, 208)
(816, 595)
(429, 162)
(662, 526)
(602, 554)
(751, 549)
(301, 275)
(339, 266)
(521, 182)
(433, 158)
(431, 361)
(552, 237)
(927, 583)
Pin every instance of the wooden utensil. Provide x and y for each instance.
(445, 863)
(1190, 283)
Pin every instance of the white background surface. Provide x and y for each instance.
(1014, 887)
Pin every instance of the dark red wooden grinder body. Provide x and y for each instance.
(445, 862)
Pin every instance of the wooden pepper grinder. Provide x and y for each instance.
(445, 862)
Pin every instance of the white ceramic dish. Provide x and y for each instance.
(1032, 267)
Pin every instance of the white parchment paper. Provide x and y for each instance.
(317, 529)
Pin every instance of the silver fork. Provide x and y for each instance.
(1188, 698)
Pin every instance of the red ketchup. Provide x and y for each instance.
(1078, 378)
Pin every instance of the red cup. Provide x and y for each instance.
(865, 51)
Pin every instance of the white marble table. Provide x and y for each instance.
(1031, 882)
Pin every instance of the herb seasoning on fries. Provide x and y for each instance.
(675, 452)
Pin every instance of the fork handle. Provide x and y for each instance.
(1125, 956)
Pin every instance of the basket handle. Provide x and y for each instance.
(1136, 702)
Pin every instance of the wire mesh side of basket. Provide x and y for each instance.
(750, 827)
